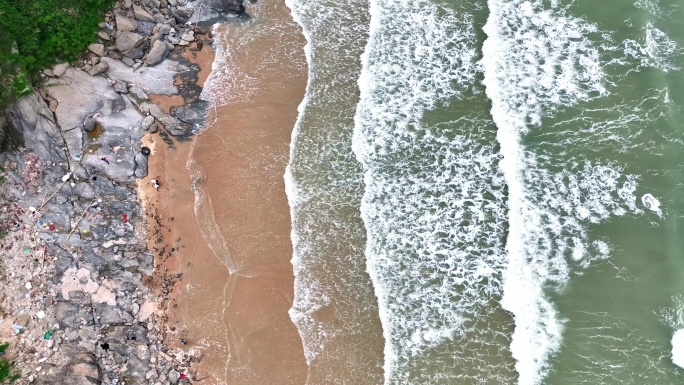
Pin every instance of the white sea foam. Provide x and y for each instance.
(655, 49)
(333, 298)
(434, 203)
(651, 203)
(537, 59)
(678, 348)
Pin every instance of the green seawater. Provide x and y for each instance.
(402, 208)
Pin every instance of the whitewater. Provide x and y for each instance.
(475, 188)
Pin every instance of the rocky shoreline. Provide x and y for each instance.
(81, 292)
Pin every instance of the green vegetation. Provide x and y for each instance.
(6, 374)
(36, 34)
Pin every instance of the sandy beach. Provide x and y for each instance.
(219, 221)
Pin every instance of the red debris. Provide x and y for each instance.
(183, 376)
(125, 218)
(52, 227)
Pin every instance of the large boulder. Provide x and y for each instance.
(131, 44)
(227, 6)
(140, 165)
(194, 113)
(207, 13)
(157, 53)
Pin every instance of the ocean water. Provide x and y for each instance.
(490, 192)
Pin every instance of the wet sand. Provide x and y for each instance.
(234, 250)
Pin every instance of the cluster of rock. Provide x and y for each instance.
(74, 304)
(145, 32)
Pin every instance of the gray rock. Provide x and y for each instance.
(173, 3)
(120, 87)
(67, 314)
(80, 94)
(104, 35)
(194, 113)
(83, 190)
(141, 14)
(81, 173)
(152, 373)
(147, 122)
(155, 80)
(138, 94)
(173, 40)
(140, 165)
(52, 214)
(119, 168)
(127, 4)
(182, 14)
(35, 126)
(145, 28)
(82, 370)
(97, 49)
(114, 54)
(59, 69)
(172, 125)
(99, 68)
(233, 6)
(108, 315)
(128, 61)
(165, 29)
(188, 36)
(123, 23)
(157, 53)
(174, 376)
(74, 142)
(153, 128)
(90, 122)
(131, 44)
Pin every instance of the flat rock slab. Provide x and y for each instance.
(153, 80)
(112, 154)
(79, 95)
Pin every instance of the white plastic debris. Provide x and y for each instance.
(40, 314)
(66, 177)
